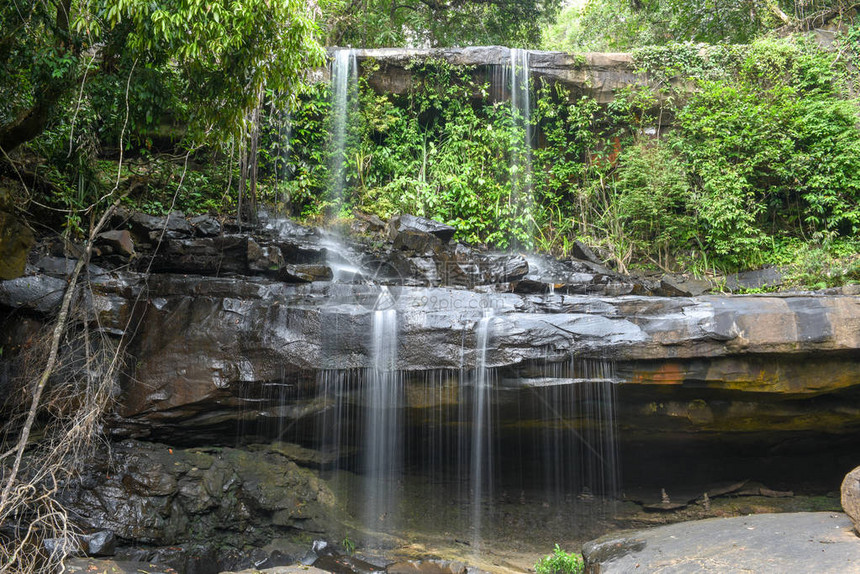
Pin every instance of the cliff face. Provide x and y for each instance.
(270, 341)
(597, 75)
(223, 315)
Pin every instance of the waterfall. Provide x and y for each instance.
(521, 109)
(481, 451)
(344, 87)
(383, 426)
(575, 406)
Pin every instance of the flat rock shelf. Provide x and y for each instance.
(820, 542)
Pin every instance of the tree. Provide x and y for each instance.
(379, 23)
(218, 56)
(626, 24)
(211, 62)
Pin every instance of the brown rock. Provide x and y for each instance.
(119, 241)
(16, 239)
(851, 497)
(597, 75)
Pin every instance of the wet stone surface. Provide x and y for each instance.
(821, 542)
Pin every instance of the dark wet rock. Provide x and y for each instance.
(205, 226)
(102, 543)
(368, 223)
(204, 256)
(766, 278)
(264, 258)
(68, 546)
(56, 266)
(406, 222)
(851, 497)
(187, 558)
(97, 544)
(156, 495)
(151, 228)
(115, 242)
(418, 242)
(220, 319)
(582, 251)
(40, 293)
(62, 267)
(674, 286)
(575, 277)
(799, 542)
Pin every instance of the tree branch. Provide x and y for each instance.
(56, 336)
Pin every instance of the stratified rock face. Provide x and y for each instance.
(223, 317)
(594, 74)
(851, 497)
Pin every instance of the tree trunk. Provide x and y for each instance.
(30, 123)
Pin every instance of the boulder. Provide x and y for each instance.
(102, 543)
(675, 286)
(851, 497)
(40, 293)
(408, 222)
(205, 226)
(117, 241)
(266, 259)
(765, 278)
(582, 251)
(418, 242)
(367, 223)
(151, 228)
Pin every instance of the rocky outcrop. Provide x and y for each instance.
(235, 338)
(153, 495)
(221, 318)
(593, 74)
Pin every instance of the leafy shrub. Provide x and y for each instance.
(653, 200)
(772, 149)
(560, 562)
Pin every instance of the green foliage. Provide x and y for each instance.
(772, 150)
(653, 201)
(83, 79)
(377, 23)
(615, 25)
(820, 265)
(560, 562)
(349, 545)
(452, 149)
(207, 42)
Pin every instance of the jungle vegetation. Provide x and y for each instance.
(760, 165)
